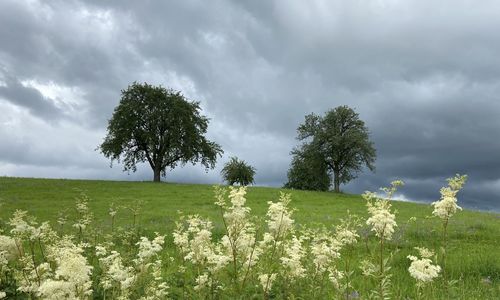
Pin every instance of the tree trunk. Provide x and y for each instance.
(336, 182)
(157, 174)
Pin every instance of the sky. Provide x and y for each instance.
(423, 75)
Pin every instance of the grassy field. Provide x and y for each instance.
(474, 246)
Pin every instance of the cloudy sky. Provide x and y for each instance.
(423, 75)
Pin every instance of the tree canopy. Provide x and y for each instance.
(238, 171)
(158, 125)
(341, 141)
(308, 170)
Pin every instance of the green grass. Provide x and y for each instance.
(474, 246)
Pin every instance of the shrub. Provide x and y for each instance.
(238, 171)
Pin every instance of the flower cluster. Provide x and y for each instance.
(239, 243)
(266, 280)
(382, 220)
(279, 217)
(447, 205)
(193, 239)
(291, 260)
(116, 276)
(422, 269)
(273, 257)
(71, 278)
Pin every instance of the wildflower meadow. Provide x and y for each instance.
(227, 245)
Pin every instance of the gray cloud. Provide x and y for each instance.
(29, 98)
(425, 77)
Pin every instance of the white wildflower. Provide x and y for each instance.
(324, 250)
(21, 227)
(266, 281)
(381, 219)
(29, 275)
(156, 289)
(220, 195)
(114, 272)
(84, 215)
(148, 249)
(422, 269)
(294, 253)
(335, 277)
(389, 191)
(202, 281)
(72, 275)
(279, 217)
(239, 243)
(447, 206)
(346, 235)
(8, 247)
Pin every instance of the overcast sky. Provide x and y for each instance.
(423, 75)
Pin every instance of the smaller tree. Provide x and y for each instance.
(238, 171)
(342, 140)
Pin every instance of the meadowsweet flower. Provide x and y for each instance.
(2, 295)
(28, 275)
(156, 289)
(115, 274)
(266, 281)
(202, 281)
(324, 250)
(381, 219)
(237, 196)
(181, 237)
(220, 195)
(239, 243)
(8, 247)
(389, 191)
(279, 217)
(447, 205)
(195, 243)
(22, 228)
(148, 249)
(335, 277)
(84, 215)
(346, 232)
(294, 253)
(422, 269)
(71, 279)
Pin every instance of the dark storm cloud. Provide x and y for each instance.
(425, 76)
(29, 98)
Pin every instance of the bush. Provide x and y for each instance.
(238, 171)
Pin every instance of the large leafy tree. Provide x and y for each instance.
(308, 170)
(342, 141)
(159, 126)
(238, 171)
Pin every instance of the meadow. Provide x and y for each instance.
(143, 208)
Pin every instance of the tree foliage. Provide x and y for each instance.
(238, 171)
(308, 170)
(341, 139)
(158, 125)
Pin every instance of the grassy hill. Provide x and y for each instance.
(474, 247)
